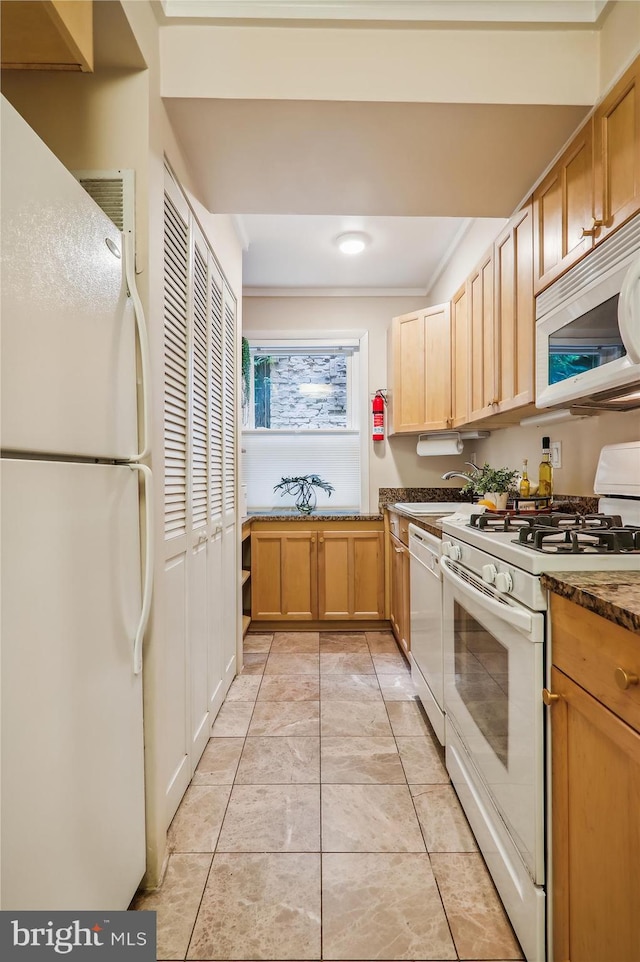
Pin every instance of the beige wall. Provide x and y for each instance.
(472, 246)
(581, 440)
(394, 462)
(401, 65)
(619, 40)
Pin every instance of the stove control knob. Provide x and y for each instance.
(489, 573)
(452, 551)
(504, 581)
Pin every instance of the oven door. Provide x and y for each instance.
(493, 678)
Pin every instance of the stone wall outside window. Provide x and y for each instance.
(291, 408)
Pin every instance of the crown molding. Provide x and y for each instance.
(578, 13)
(334, 292)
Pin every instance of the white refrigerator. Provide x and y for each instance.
(74, 598)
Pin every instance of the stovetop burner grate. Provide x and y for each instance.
(606, 536)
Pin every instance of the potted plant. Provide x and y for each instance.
(494, 484)
(302, 489)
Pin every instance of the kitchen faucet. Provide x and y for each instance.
(456, 474)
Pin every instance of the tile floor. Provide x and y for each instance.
(321, 824)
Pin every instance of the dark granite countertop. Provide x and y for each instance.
(327, 514)
(615, 595)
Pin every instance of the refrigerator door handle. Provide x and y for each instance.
(143, 339)
(148, 566)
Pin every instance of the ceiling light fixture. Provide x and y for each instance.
(354, 242)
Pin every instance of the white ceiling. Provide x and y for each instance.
(295, 174)
(298, 251)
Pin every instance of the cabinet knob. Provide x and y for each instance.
(321, 540)
(313, 541)
(625, 679)
(548, 697)
(593, 230)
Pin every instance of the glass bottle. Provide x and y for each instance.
(545, 471)
(524, 488)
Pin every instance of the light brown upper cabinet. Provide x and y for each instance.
(616, 140)
(47, 34)
(460, 357)
(420, 391)
(483, 395)
(595, 186)
(514, 314)
(563, 206)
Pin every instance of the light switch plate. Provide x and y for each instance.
(556, 454)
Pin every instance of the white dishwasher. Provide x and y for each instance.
(427, 661)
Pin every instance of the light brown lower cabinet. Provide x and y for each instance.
(595, 754)
(317, 574)
(399, 603)
(351, 574)
(284, 575)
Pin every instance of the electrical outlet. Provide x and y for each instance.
(472, 457)
(556, 454)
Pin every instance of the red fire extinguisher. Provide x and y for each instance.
(377, 409)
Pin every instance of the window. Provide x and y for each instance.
(302, 416)
(301, 388)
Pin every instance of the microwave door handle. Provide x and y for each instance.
(513, 616)
(629, 311)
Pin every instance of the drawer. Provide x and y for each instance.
(595, 653)
(399, 527)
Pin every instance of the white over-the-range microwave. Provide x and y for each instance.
(588, 329)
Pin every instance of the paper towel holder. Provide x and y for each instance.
(455, 435)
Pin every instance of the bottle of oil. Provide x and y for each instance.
(524, 488)
(545, 471)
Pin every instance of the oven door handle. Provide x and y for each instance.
(514, 616)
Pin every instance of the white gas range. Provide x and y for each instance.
(494, 634)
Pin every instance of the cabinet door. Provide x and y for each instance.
(514, 314)
(437, 341)
(482, 348)
(351, 575)
(51, 34)
(284, 573)
(595, 828)
(405, 634)
(407, 397)
(617, 153)
(396, 605)
(563, 210)
(460, 359)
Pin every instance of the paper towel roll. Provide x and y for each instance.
(437, 447)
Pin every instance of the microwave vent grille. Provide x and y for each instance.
(624, 243)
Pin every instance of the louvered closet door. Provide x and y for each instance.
(174, 752)
(230, 527)
(198, 501)
(230, 408)
(216, 395)
(217, 601)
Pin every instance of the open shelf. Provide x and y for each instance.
(246, 621)
(245, 575)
